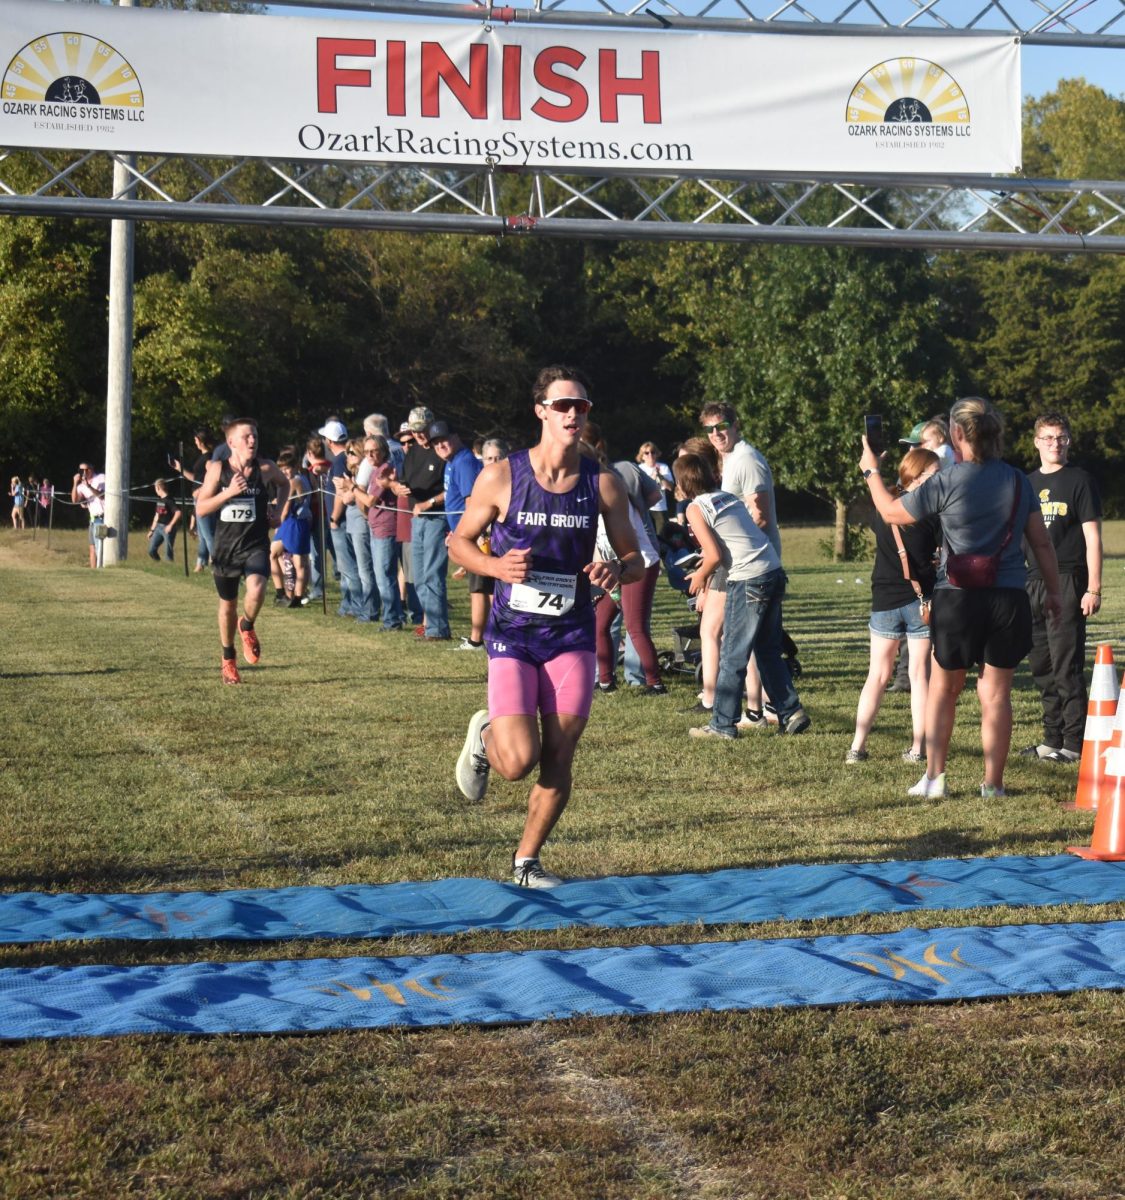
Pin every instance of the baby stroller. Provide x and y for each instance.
(681, 556)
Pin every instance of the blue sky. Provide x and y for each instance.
(1043, 66)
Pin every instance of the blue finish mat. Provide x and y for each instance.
(457, 905)
(501, 988)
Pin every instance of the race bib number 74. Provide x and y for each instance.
(545, 593)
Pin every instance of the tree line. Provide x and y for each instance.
(290, 325)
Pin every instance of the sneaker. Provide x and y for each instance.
(753, 720)
(230, 671)
(895, 686)
(281, 600)
(251, 647)
(913, 756)
(1067, 757)
(419, 631)
(472, 762)
(855, 756)
(709, 731)
(932, 789)
(469, 644)
(1040, 751)
(988, 792)
(770, 713)
(391, 628)
(697, 707)
(798, 722)
(608, 687)
(655, 689)
(299, 602)
(529, 873)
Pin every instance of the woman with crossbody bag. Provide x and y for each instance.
(902, 581)
(981, 614)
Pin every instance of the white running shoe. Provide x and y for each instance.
(472, 762)
(932, 789)
(527, 872)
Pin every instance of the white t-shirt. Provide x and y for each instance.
(746, 473)
(88, 491)
(747, 552)
(658, 471)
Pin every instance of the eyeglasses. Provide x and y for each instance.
(1062, 440)
(579, 405)
(351, 453)
(718, 427)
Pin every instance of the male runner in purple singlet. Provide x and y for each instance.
(543, 505)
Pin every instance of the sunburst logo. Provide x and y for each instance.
(72, 75)
(907, 91)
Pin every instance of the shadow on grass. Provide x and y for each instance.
(51, 674)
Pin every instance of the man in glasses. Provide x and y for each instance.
(422, 483)
(543, 505)
(747, 475)
(1072, 513)
(88, 490)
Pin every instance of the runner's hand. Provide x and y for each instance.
(515, 566)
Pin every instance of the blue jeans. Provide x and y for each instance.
(427, 544)
(752, 625)
(360, 534)
(316, 560)
(205, 528)
(161, 534)
(634, 672)
(384, 558)
(349, 573)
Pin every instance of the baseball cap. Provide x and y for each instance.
(914, 437)
(405, 427)
(437, 431)
(334, 431)
(420, 419)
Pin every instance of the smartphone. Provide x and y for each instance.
(873, 427)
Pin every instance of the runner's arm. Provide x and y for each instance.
(489, 497)
(209, 498)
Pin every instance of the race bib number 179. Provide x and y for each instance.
(239, 513)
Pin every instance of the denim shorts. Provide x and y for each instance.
(899, 622)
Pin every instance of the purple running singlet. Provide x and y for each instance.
(550, 612)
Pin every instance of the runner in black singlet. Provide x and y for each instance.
(237, 491)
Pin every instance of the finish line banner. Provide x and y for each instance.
(430, 93)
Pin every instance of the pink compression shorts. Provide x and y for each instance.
(561, 685)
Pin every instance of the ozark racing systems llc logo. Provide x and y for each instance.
(71, 81)
(908, 103)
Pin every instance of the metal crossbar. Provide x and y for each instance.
(969, 211)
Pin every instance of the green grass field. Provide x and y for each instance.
(127, 766)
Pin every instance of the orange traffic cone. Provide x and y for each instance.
(1100, 713)
(1108, 842)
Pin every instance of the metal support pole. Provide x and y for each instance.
(183, 511)
(119, 384)
(51, 517)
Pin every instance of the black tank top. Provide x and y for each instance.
(241, 525)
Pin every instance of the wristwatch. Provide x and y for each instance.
(870, 471)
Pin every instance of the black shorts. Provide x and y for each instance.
(980, 625)
(480, 585)
(228, 575)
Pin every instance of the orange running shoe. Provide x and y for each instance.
(251, 647)
(230, 671)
